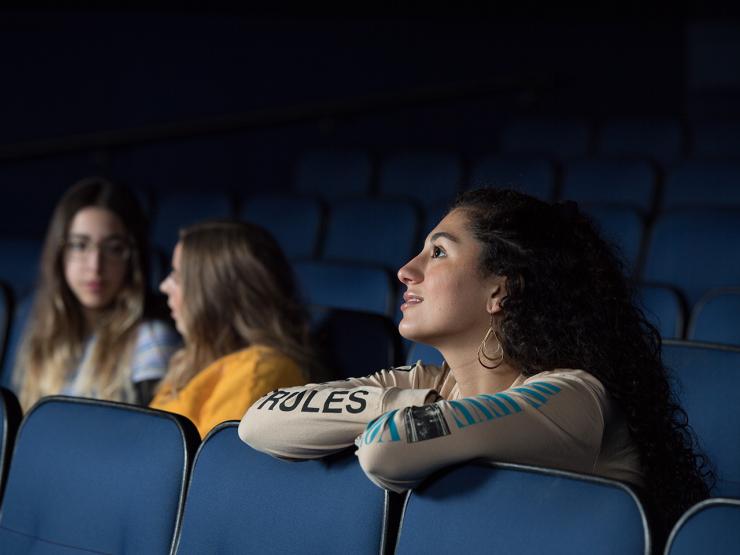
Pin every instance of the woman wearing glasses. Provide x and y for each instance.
(90, 333)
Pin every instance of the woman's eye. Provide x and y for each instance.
(77, 246)
(437, 252)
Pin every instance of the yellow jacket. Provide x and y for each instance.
(227, 387)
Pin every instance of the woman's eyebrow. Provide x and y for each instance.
(444, 235)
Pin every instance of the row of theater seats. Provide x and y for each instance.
(100, 477)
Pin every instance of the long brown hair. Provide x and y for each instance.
(238, 290)
(54, 339)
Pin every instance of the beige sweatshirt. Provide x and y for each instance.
(409, 422)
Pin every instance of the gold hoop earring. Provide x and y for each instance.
(498, 354)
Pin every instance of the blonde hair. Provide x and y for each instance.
(238, 290)
(54, 340)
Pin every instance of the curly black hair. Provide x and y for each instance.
(570, 305)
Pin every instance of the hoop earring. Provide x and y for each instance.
(498, 355)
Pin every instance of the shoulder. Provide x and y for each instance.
(253, 359)
(570, 383)
(156, 332)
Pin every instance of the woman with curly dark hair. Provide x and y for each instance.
(548, 362)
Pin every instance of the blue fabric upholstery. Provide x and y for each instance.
(375, 231)
(694, 250)
(708, 380)
(514, 509)
(334, 172)
(712, 526)
(716, 318)
(628, 182)
(348, 286)
(534, 176)
(353, 343)
(18, 322)
(243, 501)
(90, 476)
(703, 183)
(623, 226)
(662, 307)
(425, 353)
(546, 137)
(717, 139)
(10, 419)
(662, 140)
(177, 210)
(425, 177)
(19, 262)
(293, 220)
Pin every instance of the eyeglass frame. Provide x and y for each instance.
(99, 246)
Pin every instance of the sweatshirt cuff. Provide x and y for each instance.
(395, 398)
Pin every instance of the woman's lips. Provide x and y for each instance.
(410, 299)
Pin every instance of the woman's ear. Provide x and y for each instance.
(497, 296)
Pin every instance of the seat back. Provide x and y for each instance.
(424, 177)
(664, 309)
(243, 501)
(551, 138)
(424, 353)
(624, 227)
(696, 183)
(93, 476)
(712, 526)
(19, 263)
(534, 176)
(10, 420)
(508, 508)
(18, 323)
(333, 173)
(708, 378)
(716, 317)
(613, 181)
(662, 140)
(716, 139)
(293, 220)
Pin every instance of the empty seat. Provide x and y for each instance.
(10, 419)
(424, 353)
(243, 501)
(96, 477)
(703, 183)
(708, 380)
(695, 251)
(663, 307)
(334, 173)
(550, 138)
(348, 286)
(425, 177)
(374, 231)
(294, 221)
(716, 317)
(354, 343)
(518, 509)
(623, 226)
(718, 139)
(534, 176)
(659, 139)
(712, 526)
(18, 323)
(627, 182)
(19, 264)
(177, 210)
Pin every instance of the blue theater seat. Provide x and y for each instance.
(716, 317)
(623, 226)
(243, 501)
(663, 307)
(549, 138)
(611, 181)
(712, 526)
(96, 477)
(348, 286)
(295, 221)
(19, 264)
(176, 210)
(332, 173)
(697, 183)
(10, 420)
(708, 380)
(354, 343)
(507, 508)
(695, 250)
(383, 232)
(18, 322)
(716, 139)
(660, 139)
(424, 353)
(424, 177)
(534, 176)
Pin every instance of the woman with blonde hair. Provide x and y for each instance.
(90, 332)
(234, 300)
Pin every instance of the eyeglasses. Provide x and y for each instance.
(114, 250)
